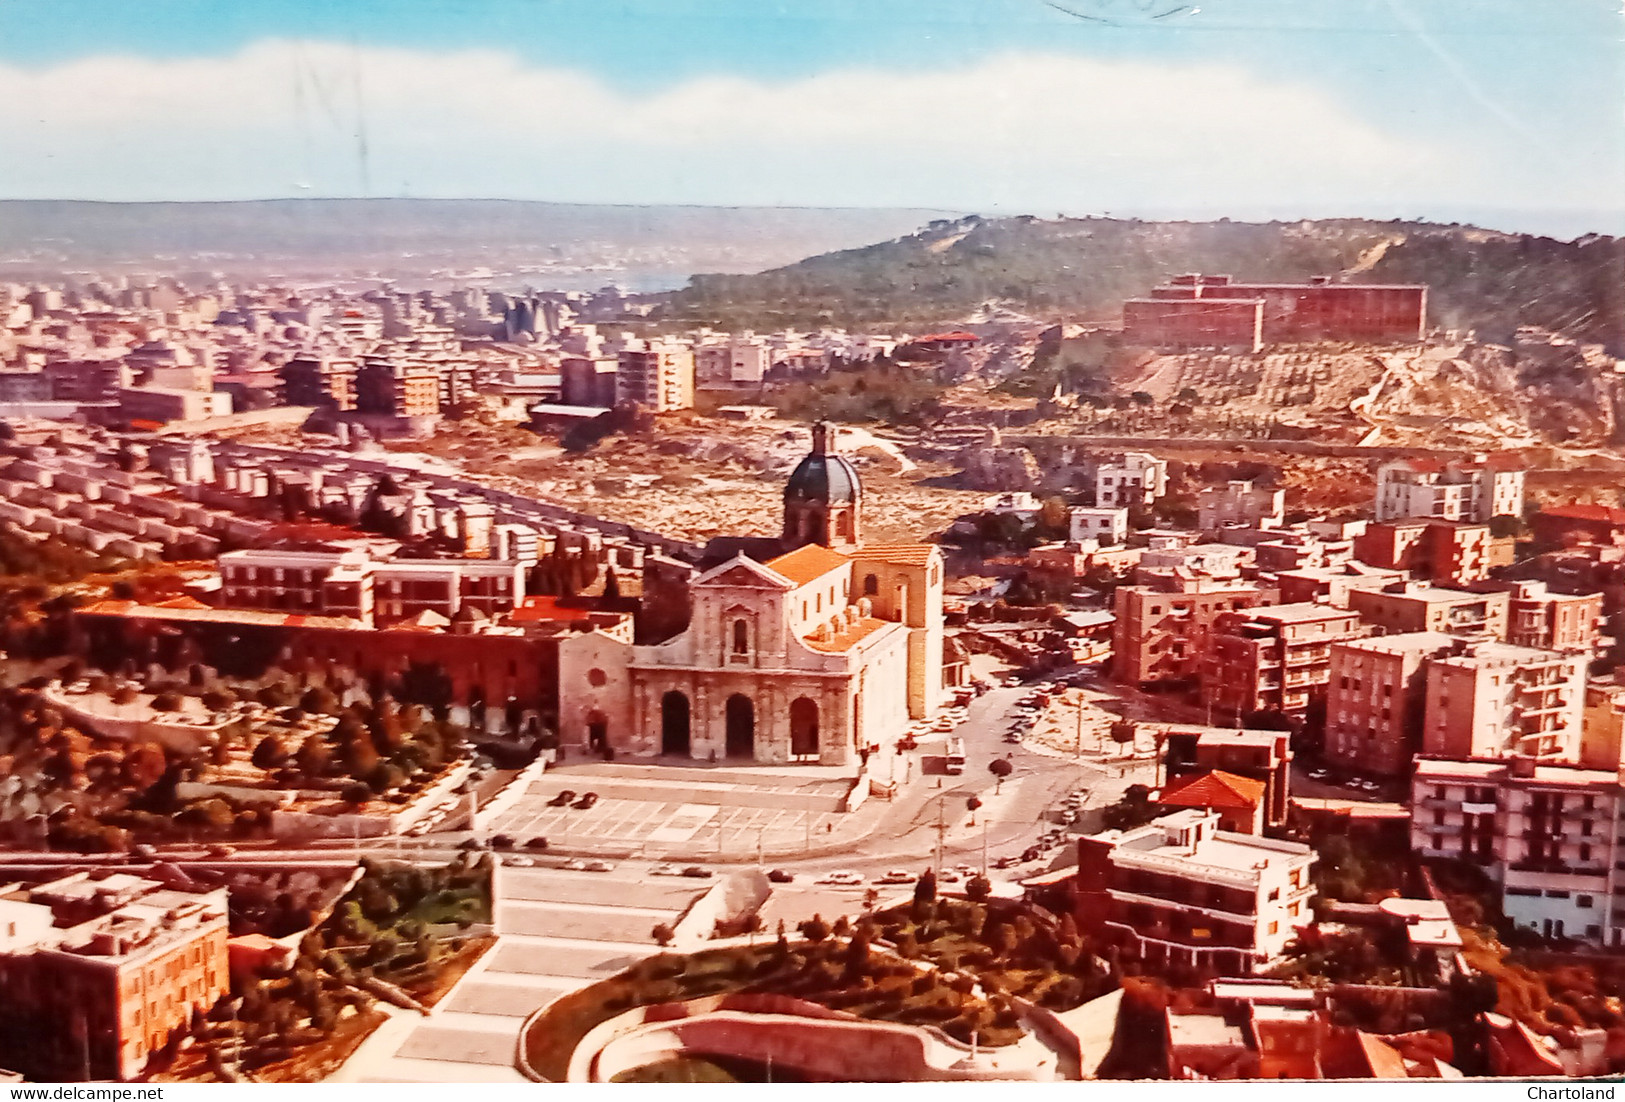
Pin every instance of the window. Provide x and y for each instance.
(1585, 853)
(1584, 901)
(871, 585)
(741, 637)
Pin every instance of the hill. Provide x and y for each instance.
(1081, 270)
(406, 238)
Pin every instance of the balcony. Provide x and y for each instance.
(1166, 905)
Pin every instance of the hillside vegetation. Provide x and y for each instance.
(1082, 269)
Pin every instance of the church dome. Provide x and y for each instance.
(823, 475)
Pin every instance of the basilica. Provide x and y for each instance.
(814, 647)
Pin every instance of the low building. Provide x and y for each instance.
(1106, 527)
(1238, 801)
(1495, 700)
(1272, 659)
(659, 376)
(1263, 756)
(1537, 617)
(100, 971)
(1331, 585)
(1239, 503)
(1546, 833)
(1182, 893)
(1569, 525)
(1411, 606)
(1375, 700)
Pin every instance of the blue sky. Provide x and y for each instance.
(1499, 111)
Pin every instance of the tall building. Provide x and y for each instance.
(659, 377)
(325, 382)
(1274, 659)
(1444, 551)
(1375, 700)
(100, 971)
(1403, 607)
(1161, 633)
(1537, 617)
(1180, 892)
(1464, 490)
(1495, 700)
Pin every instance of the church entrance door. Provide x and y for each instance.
(741, 714)
(674, 728)
(803, 728)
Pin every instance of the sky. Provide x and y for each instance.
(1507, 113)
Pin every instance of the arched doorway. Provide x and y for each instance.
(741, 714)
(803, 728)
(597, 731)
(674, 729)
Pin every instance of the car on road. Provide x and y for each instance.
(695, 872)
(947, 876)
(586, 801)
(1316, 774)
(1012, 682)
(520, 862)
(841, 876)
(1031, 853)
(1013, 739)
(502, 841)
(780, 876)
(582, 864)
(536, 843)
(1006, 862)
(664, 870)
(967, 871)
(143, 851)
(220, 849)
(470, 844)
(896, 876)
(561, 798)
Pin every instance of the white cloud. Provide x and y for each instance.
(1042, 132)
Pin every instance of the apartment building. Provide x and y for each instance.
(1239, 503)
(1495, 700)
(1375, 699)
(1161, 631)
(164, 404)
(1537, 617)
(1576, 523)
(1461, 490)
(1135, 479)
(100, 971)
(1446, 552)
(1546, 833)
(351, 584)
(325, 382)
(1181, 893)
(386, 388)
(1272, 659)
(1167, 556)
(659, 377)
(1405, 607)
(88, 380)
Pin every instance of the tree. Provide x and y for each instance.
(1141, 398)
(663, 934)
(269, 754)
(978, 888)
(971, 805)
(815, 929)
(1000, 768)
(144, 766)
(857, 956)
(167, 702)
(319, 700)
(314, 757)
(925, 888)
(124, 694)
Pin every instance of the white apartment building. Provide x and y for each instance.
(1548, 834)
(1496, 700)
(1459, 490)
(1105, 526)
(1181, 892)
(1239, 503)
(659, 376)
(350, 584)
(1138, 478)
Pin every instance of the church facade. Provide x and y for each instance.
(829, 647)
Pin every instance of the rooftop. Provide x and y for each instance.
(1409, 642)
(807, 564)
(1215, 789)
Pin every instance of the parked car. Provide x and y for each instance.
(841, 876)
(1031, 853)
(586, 801)
(536, 843)
(664, 870)
(1006, 862)
(520, 862)
(561, 799)
(143, 851)
(947, 876)
(579, 864)
(695, 872)
(219, 849)
(896, 876)
(470, 844)
(1317, 774)
(502, 841)
(780, 876)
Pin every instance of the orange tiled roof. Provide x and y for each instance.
(219, 615)
(902, 554)
(846, 640)
(1216, 789)
(807, 564)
